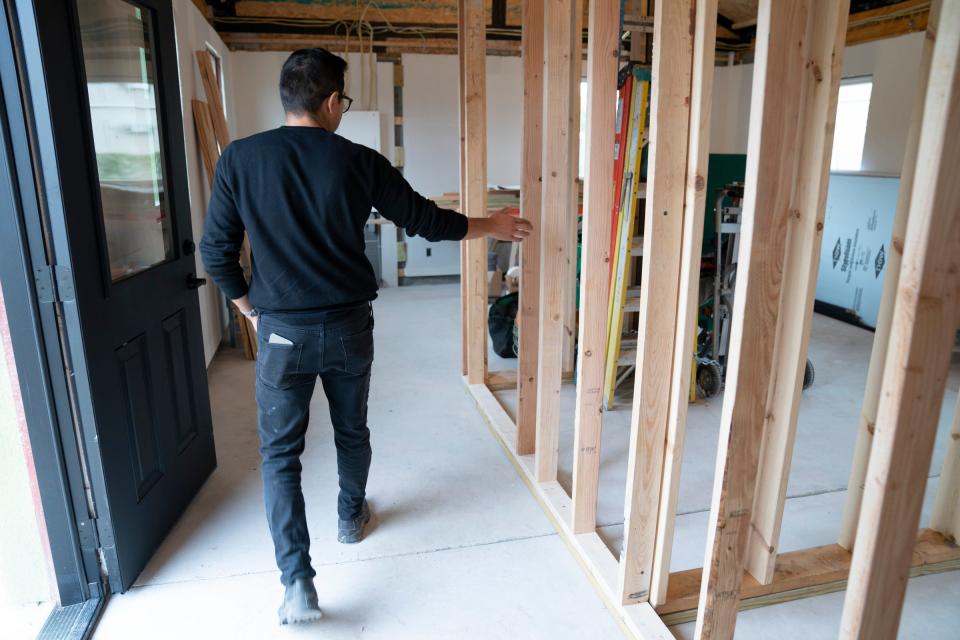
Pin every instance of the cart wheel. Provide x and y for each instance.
(808, 375)
(709, 379)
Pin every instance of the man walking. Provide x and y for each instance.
(303, 195)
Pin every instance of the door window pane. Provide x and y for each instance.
(118, 56)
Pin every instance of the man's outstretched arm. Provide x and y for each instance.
(397, 201)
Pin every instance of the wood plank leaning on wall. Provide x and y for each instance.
(530, 199)
(781, 76)
(602, 63)
(217, 118)
(800, 265)
(694, 207)
(206, 138)
(881, 337)
(659, 285)
(925, 319)
(559, 26)
(474, 72)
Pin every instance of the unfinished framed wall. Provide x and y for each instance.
(799, 51)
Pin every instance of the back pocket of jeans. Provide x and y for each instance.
(358, 351)
(278, 364)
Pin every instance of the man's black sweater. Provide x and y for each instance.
(303, 195)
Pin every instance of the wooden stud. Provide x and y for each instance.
(531, 143)
(881, 337)
(800, 265)
(925, 320)
(946, 505)
(802, 574)
(602, 63)
(701, 94)
(780, 71)
(570, 279)
(462, 82)
(559, 25)
(659, 284)
(474, 198)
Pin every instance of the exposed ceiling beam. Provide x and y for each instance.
(283, 26)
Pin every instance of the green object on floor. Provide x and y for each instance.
(723, 168)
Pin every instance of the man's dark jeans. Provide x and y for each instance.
(337, 347)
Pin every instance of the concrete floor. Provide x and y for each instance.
(826, 433)
(459, 548)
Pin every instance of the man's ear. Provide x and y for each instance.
(329, 103)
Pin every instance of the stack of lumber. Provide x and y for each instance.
(213, 137)
(497, 199)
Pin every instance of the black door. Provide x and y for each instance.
(103, 83)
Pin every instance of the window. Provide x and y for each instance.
(853, 106)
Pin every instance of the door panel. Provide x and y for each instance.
(139, 418)
(120, 218)
(181, 387)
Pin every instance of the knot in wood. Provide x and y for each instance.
(817, 73)
(588, 353)
(699, 183)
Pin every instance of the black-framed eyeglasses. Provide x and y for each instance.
(345, 99)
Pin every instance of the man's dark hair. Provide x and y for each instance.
(308, 77)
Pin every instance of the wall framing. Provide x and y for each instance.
(795, 95)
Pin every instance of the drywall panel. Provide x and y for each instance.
(856, 241)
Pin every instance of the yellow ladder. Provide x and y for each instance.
(621, 300)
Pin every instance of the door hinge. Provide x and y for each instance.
(54, 283)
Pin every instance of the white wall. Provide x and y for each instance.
(256, 97)
(430, 126)
(431, 138)
(254, 91)
(193, 33)
(25, 573)
(893, 63)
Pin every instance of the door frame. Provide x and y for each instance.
(37, 290)
(36, 142)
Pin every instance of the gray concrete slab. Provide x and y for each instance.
(459, 548)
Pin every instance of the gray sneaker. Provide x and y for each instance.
(300, 603)
(351, 531)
